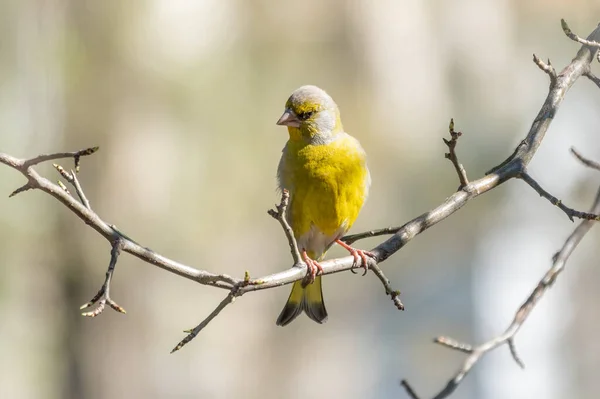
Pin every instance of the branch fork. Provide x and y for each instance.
(103, 295)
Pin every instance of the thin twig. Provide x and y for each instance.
(103, 295)
(453, 344)
(351, 238)
(507, 337)
(409, 389)
(593, 77)
(451, 155)
(71, 177)
(107, 230)
(513, 351)
(279, 214)
(76, 155)
(79, 191)
(194, 332)
(394, 294)
(586, 161)
(548, 68)
(24, 187)
(573, 36)
(570, 212)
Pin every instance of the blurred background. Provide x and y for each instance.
(182, 98)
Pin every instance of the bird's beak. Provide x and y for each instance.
(289, 118)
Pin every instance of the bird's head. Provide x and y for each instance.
(311, 115)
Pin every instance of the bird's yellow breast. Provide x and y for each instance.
(328, 184)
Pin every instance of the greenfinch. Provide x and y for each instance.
(325, 171)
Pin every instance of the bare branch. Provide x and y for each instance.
(508, 169)
(587, 162)
(507, 337)
(460, 170)
(394, 294)
(573, 36)
(565, 79)
(103, 294)
(280, 215)
(194, 332)
(108, 231)
(76, 155)
(570, 212)
(511, 168)
(79, 191)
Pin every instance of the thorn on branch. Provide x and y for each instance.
(460, 170)
(586, 161)
(548, 68)
(570, 212)
(24, 187)
(103, 295)
(576, 38)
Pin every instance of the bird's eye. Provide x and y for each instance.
(305, 115)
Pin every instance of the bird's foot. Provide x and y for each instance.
(314, 268)
(360, 256)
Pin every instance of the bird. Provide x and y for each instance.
(325, 171)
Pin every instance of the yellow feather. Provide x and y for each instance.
(325, 171)
(327, 185)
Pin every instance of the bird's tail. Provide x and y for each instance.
(308, 299)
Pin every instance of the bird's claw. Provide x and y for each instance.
(314, 268)
(360, 259)
(359, 255)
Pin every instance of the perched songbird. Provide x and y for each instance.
(325, 171)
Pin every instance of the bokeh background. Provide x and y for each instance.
(182, 98)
